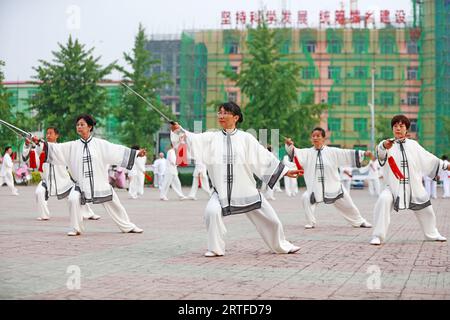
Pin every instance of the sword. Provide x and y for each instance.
(18, 131)
(152, 106)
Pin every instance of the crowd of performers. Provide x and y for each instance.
(401, 174)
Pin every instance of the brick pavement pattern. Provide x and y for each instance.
(38, 260)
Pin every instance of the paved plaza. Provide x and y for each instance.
(38, 260)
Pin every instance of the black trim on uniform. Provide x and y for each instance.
(357, 162)
(419, 206)
(236, 210)
(63, 195)
(131, 159)
(274, 178)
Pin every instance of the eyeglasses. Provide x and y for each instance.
(224, 114)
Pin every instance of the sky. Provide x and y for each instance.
(31, 29)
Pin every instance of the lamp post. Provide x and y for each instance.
(372, 113)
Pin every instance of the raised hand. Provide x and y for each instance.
(294, 173)
(175, 126)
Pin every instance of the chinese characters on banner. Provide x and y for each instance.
(286, 17)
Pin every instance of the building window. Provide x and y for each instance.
(334, 73)
(360, 124)
(233, 48)
(387, 46)
(412, 73)
(334, 98)
(387, 98)
(360, 46)
(177, 108)
(232, 96)
(309, 46)
(360, 98)
(413, 98)
(387, 73)
(334, 46)
(360, 72)
(308, 72)
(412, 47)
(234, 69)
(413, 125)
(334, 124)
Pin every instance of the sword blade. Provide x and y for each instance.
(148, 102)
(10, 126)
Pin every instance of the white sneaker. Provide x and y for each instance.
(365, 224)
(376, 241)
(439, 238)
(210, 254)
(164, 199)
(94, 217)
(42, 219)
(15, 193)
(294, 249)
(183, 198)
(309, 226)
(136, 230)
(73, 233)
(192, 198)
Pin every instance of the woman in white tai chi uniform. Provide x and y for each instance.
(56, 181)
(290, 184)
(88, 159)
(199, 180)
(137, 176)
(232, 157)
(403, 162)
(373, 176)
(6, 172)
(323, 183)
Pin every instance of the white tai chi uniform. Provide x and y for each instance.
(444, 176)
(290, 184)
(430, 186)
(346, 179)
(137, 177)
(373, 177)
(200, 176)
(88, 162)
(55, 181)
(231, 160)
(323, 183)
(171, 177)
(159, 170)
(6, 174)
(407, 193)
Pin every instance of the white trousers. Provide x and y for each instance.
(114, 208)
(291, 187)
(382, 217)
(9, 180)
(374, 187)
(171, 180)
(431, 187)
(136, 187)
(158, 180)
(42, 205)
(446, 187)
(265, 220)
(346, 184)
(344, 205)
(205, 186)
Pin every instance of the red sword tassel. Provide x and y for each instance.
(395, 170)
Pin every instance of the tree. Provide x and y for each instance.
(138, 121)
(69, 86)
(6, 135)
(382, 128)
(271, 86)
